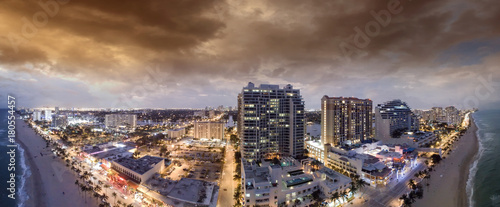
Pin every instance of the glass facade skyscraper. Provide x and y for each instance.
(270, 121)
(392, 118)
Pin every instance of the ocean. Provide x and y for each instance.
(22, 170)
(483, 186)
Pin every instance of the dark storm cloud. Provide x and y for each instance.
(192, 53)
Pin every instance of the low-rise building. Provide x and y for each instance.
(412, 139)
(316, 150)
(139, 170)
(369, 168)
(420, 138)
(288, 182)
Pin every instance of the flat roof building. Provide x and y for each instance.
(121, 120)
(393, 118)
(271, 121)
(286, 181)
(345, 120)
(139, 170)
(209, 130)
(176, 133)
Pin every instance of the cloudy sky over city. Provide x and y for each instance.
(177, 54)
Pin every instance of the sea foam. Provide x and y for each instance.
(495, 200)
(22, 193)
(473, 168)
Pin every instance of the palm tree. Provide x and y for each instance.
(96, 195)
(97, 188)
(335, 197)
(84, 189)
(427, 177)
(411, 184)
(353, 189)
(361, 184)
(90, 188)
(114, 195)
(104, 197)
(343, 194)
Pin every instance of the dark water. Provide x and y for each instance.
(21, 169)
(485, 172)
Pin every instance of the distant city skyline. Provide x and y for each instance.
(194, 54)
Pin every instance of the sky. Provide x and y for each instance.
(192, 54)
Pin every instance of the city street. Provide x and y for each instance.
(227, 185)
(388, 195)
(108, 191)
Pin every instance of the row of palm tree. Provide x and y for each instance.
(356, 184)
(83, 184)
(336, 196)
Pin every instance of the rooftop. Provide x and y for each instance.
(141, 165)
(316, 144)
(178, 129)
(193, 191)
(298, 181)
(260, 174)
(113, 153)
(390, 154)
(346, 98)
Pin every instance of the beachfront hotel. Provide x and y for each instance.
(345, 120)
(288, 182)
(393, 118)
(375, 163)
(270, 121)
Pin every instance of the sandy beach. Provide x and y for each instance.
(448, 181)
(49, 175)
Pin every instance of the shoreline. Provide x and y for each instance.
(50, 176)
(465, 169)
(33, 181)
(448, 182)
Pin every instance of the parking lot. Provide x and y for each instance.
(201, 170)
